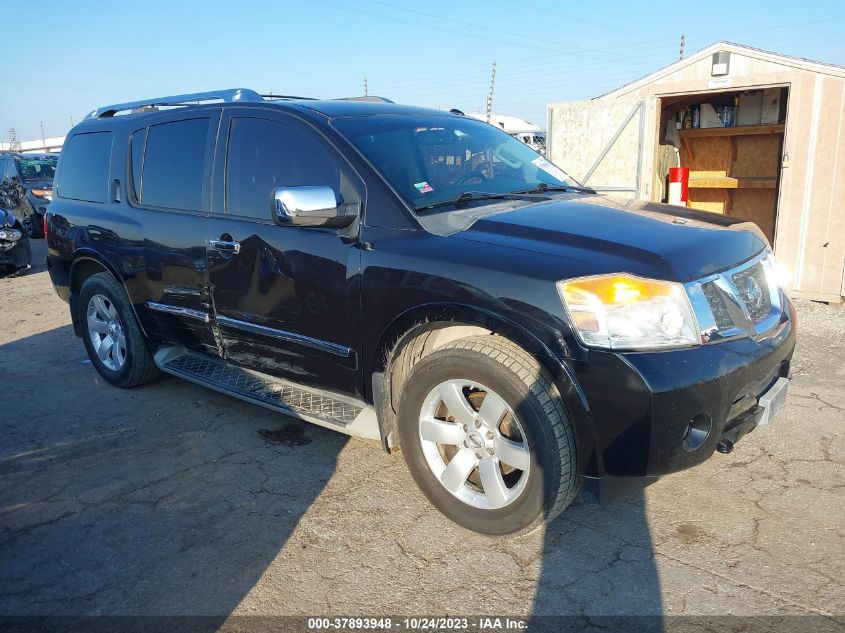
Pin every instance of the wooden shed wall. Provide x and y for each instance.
(810, 232)
(579, 130)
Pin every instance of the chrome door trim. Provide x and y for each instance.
(284, 335)
(178, 310)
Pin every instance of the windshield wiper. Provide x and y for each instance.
(544, 187)
(470, 196)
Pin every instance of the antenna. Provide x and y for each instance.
(71, 120)
(490, 94)
(43, 137)
(366, 93)
(683, 46)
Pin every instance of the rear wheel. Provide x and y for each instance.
(112, 335)
(485, 436)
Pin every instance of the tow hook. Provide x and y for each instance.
(725, 446)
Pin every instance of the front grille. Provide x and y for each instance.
(737, 302)
(718, 306)
(753, 290)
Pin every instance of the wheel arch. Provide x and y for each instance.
(86, 264)
(421, 330)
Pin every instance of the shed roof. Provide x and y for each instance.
(748, 51)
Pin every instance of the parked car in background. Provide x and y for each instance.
(14, 242)
(422, 279)
(27, 183)
(536, 140)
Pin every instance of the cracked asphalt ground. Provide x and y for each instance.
(171, 499)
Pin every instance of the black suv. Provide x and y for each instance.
(422, 279)
(26, 181)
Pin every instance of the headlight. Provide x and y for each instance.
(11, 235)
(43, 193)
(777, 274)
(622, 311)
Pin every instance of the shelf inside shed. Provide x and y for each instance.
(727, 182)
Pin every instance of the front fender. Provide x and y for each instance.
(432, 315)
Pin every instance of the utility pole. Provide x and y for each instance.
(490, 94)
(683, 46)
(366, 90)
(14, 145)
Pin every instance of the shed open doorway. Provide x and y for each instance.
(732, 142)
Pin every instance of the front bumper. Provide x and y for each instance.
(656, 413)
(15, 253)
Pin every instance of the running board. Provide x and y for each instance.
(329, 410)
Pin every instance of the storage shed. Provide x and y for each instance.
(762, 134)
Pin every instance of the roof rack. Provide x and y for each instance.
(228, 95)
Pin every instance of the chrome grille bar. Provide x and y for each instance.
(728, 305)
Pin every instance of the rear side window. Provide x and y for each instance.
(173, 165)
(264, 154)
(85, 167)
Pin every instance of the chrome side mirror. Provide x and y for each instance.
(304, 206)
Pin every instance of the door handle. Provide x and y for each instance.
(225, 246)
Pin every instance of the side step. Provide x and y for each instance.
(330, 410)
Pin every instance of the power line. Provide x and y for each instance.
(452, 20)
(431, 27)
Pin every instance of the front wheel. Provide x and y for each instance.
(486, 437)
(32, 223)
(111, 333)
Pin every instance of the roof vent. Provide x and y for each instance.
(721, 64)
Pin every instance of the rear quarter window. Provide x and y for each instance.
(85, 167)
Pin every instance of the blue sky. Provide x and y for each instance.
(77, 55)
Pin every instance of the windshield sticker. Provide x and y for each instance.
(423, 187)
(550, 168)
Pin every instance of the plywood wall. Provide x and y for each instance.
(579, 130)
(811, 216)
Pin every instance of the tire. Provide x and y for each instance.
(106, 297)
(31, 224)
(537, 425)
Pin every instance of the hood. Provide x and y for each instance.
(39, 184)
(598, 235)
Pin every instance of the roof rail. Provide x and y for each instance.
(371, 98)
(228, 95)
(287, 97)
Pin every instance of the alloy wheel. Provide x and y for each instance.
(106, 332)
(474, 444)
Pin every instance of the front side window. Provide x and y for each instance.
(174, 165)
(263, 155)
(434, 159)
(10, 171)
(85, 167)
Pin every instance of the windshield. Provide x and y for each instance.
(40, 168)
(434, 159)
